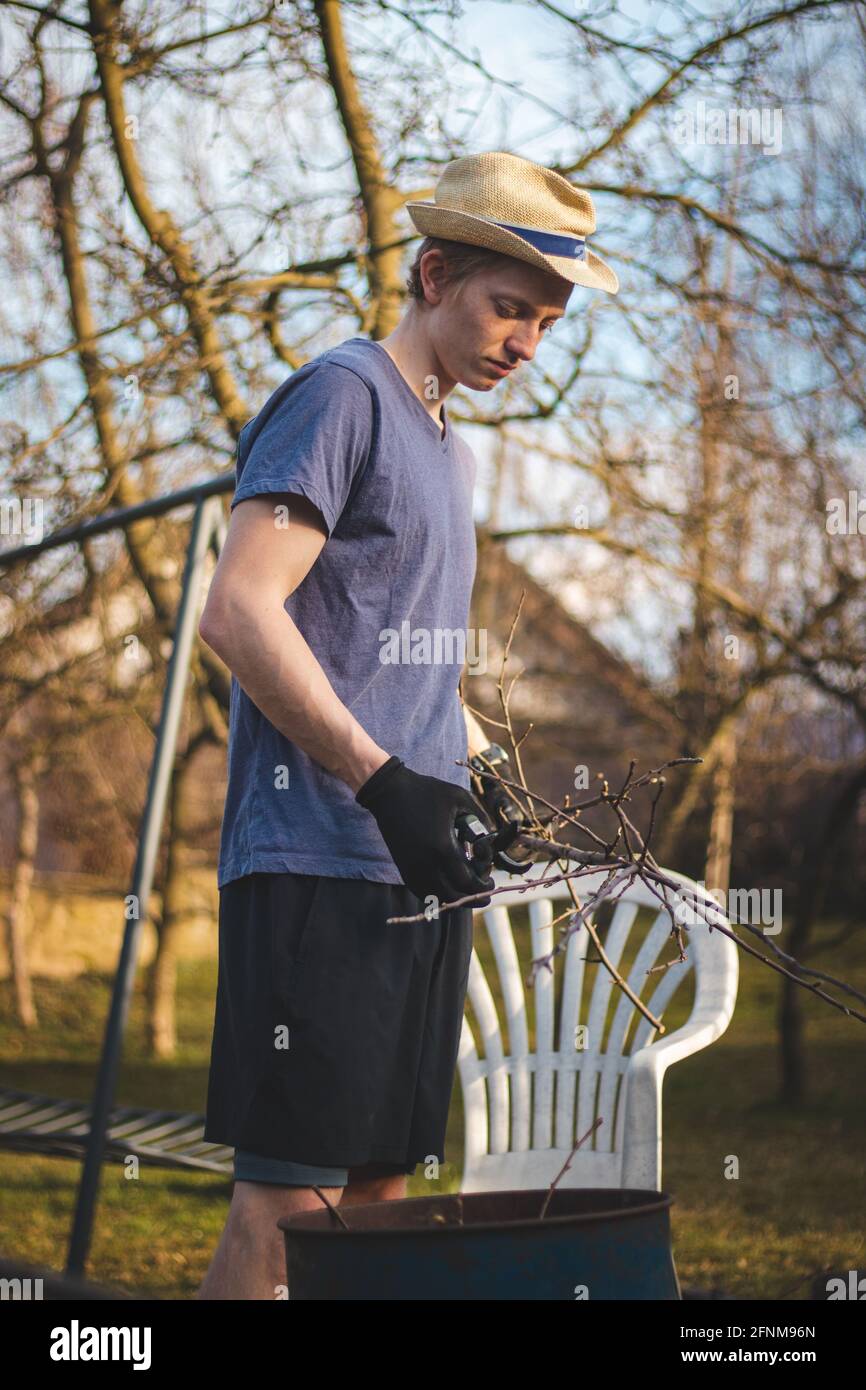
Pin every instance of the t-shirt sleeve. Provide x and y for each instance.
(312, 438)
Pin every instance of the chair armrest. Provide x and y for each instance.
(644, 1075)
(655, 1058)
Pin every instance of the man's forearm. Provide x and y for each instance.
(272, 662)
(475, 735)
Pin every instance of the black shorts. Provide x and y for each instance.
(335, 1034)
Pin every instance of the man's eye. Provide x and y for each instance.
(505, 313)
(549, 327)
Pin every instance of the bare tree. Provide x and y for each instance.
(197, 202)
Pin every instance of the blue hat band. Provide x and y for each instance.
(550, 243)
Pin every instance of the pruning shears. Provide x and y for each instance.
(493, 848)
(514, 846)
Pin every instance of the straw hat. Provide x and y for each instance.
(521, 209)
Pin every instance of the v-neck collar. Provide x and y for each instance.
(442, 434)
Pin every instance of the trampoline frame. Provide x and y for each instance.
(107, 1124)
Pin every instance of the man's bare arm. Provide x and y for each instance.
(245, 623)
(476, 736)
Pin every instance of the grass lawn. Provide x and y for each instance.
(796, 1207)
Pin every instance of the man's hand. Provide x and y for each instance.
(416, 815)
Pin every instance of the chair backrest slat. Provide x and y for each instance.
(544, 995)
(591, 1062)
(572, 991)
(516, 1076)
(494, 1056)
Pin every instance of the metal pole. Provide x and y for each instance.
(112, 521)
(219, 533)
(205, 520)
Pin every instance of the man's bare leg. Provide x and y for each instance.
(250, 1260)
(359, 1190)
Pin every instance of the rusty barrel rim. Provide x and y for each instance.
(322, 1222)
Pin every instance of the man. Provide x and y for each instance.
(336, 1035)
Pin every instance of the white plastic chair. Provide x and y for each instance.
(517, 1134)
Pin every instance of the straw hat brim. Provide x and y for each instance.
(432, 220)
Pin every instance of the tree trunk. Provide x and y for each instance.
(176, 906)
(810, 898)
(718, 865)
(19, 902)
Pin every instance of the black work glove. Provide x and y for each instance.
(416, 816)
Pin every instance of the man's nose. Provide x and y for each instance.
(523, 343)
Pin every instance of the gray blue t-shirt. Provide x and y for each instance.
(384, 608)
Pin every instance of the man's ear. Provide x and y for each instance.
(434, 275)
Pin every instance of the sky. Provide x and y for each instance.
(523, 45)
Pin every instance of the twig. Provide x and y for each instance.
(330, 1205)
(623, 868)
(626, 988)
(566, 1165)
(806, 969)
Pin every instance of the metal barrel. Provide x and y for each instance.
(593, 1243)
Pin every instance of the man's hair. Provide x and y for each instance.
(463, 261)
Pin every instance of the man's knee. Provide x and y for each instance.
(385, 1188)
(261, 1200)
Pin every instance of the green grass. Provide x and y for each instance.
(795, 1208)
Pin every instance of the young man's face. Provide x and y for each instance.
(484, 327)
